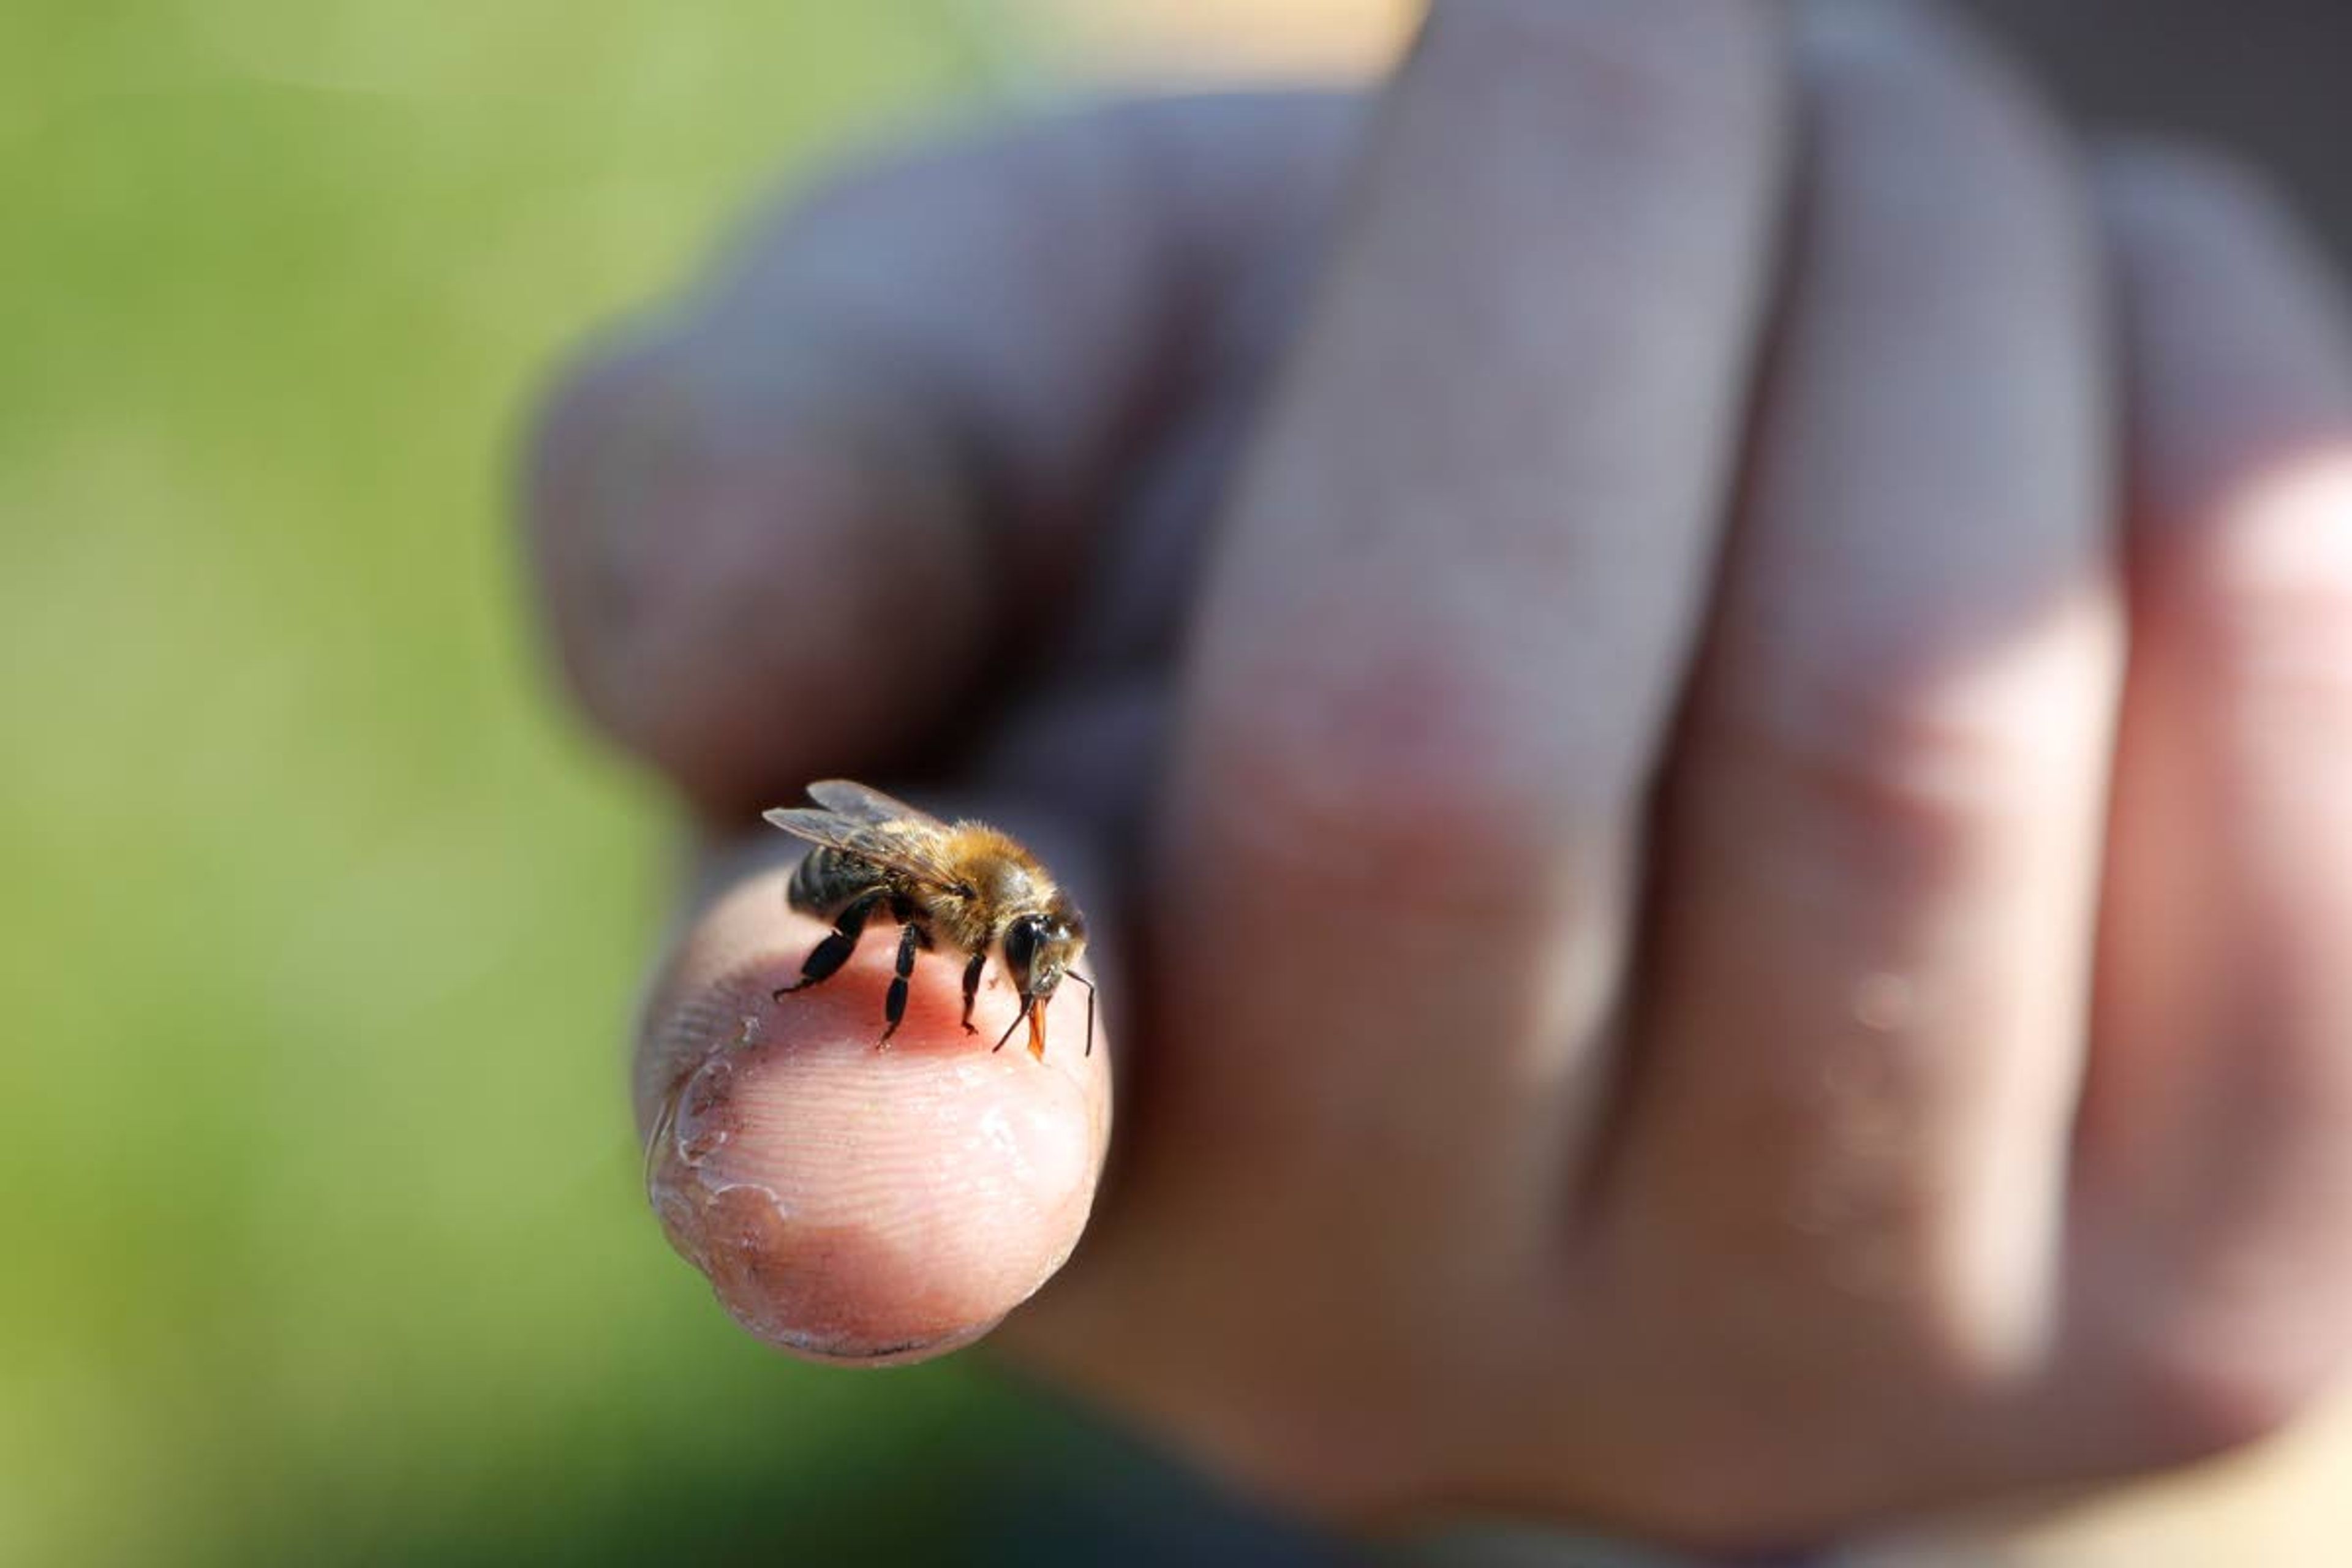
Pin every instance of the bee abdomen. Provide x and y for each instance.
(827, 879)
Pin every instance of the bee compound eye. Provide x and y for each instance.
(1020, 946)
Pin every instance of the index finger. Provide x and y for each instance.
(783, 530)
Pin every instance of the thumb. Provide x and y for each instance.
(852, 1203)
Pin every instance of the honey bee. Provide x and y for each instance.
(962, 884)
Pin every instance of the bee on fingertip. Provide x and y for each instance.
(961, 886)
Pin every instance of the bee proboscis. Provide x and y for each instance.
(961, 885)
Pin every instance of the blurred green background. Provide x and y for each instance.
(320, 1231)
(319, 1217)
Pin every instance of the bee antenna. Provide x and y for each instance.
(1089, 985)
(1027, 1004)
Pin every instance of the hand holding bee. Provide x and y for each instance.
(1660, 926)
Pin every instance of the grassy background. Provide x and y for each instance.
(318, 1210)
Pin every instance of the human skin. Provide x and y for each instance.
(1700, 681)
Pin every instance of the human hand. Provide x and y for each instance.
(1671, 962)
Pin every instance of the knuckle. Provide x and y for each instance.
(2204, 1388)
(1917, 777)
(2215, 1340)
(1907, 63)
(1922, 101)
(2262, 598)
(708, 535)
(1657, 64)
(1431, 769)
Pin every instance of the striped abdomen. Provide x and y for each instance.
(826, 878)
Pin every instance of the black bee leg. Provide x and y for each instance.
(913, 939)
(972, 987)
(833, 951)
(1028, 1005)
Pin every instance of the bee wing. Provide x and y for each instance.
(861, 803)
(916, 845)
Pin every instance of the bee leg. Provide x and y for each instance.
(833, 951)
(913, 939)
(972, 987)
(1028, 1006)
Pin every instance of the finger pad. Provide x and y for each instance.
(852, 1203)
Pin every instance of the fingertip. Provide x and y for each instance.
(858, 1205)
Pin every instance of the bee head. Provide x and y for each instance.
(1040, 949)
